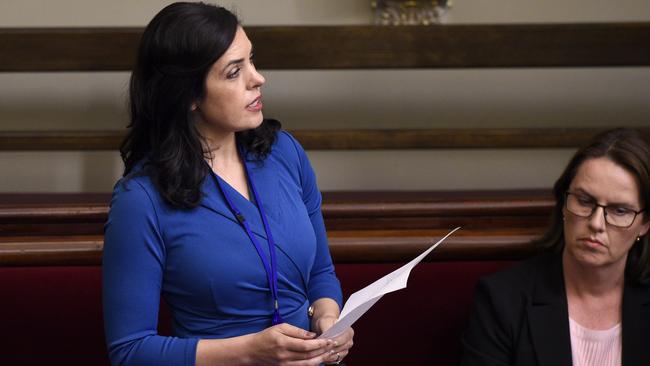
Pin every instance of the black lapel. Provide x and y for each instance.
(548, 316)
(636, 324)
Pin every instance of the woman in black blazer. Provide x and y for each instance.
(586, 300)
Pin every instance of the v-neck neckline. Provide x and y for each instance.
(240, 196)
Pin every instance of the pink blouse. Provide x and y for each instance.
(595, 347)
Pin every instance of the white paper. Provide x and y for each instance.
(362, 300)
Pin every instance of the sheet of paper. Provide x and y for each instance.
(362, 300)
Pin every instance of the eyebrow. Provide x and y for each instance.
(620, 204)
(237, 61)
(233, 62)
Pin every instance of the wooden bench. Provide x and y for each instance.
(50, 278)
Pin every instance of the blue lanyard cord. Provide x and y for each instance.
(272, 269)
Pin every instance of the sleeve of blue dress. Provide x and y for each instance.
(322, 280)
(132, 268)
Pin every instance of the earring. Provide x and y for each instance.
(638, 238)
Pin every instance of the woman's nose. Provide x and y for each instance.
(256, 79)
(597, 219)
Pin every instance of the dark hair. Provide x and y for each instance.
(627, 148)
(176, 52)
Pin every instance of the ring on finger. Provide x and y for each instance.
(338, 358)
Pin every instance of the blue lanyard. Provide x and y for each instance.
(272, 268)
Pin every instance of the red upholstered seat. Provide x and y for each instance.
(53, 315)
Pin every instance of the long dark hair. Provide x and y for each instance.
(176, 52)
(627, 148)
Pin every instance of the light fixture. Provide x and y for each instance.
(409, 12)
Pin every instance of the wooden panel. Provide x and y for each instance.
(505, 138)
(469, 246)
(453, 46)
(60, 140)
(51, 251)
(352, 47)
(67, 229)
(68, 49)
(87, 250)
(52, 214)
(445, 138)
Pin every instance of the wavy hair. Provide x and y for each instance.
(176, 52)
(627, 148)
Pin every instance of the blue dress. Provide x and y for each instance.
(205, 266)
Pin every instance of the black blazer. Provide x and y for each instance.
(521, 317)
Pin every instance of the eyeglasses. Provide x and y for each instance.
(584, 206)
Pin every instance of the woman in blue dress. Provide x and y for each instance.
(218, 212)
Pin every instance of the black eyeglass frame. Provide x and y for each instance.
(596, 205)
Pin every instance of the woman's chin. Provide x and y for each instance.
(255, 122)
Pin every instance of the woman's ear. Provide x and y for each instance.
(644, 228)
(645, 224)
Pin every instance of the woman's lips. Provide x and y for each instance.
(592, 242)
(256, 105)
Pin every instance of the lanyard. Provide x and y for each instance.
(271, 268)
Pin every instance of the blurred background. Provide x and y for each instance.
(581, 97)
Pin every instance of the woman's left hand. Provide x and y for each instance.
(342, 343)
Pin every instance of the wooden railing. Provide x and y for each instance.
(352, 47)
(337, 139)
(362, 226)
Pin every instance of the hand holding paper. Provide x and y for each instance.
(362, 300)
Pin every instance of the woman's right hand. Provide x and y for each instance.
(285, 344)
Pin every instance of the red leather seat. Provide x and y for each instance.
(53, 315)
